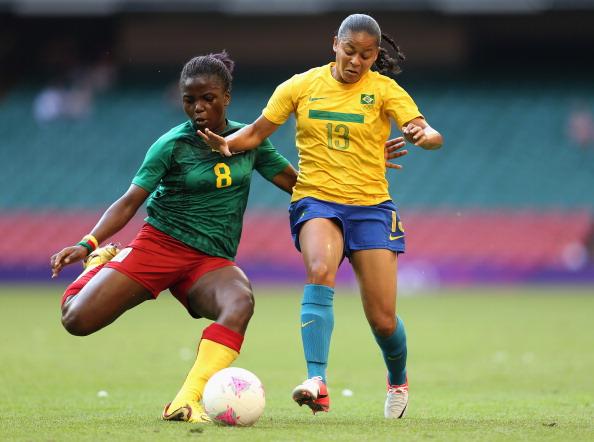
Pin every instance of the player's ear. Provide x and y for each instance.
(335, 44)
(227, 99)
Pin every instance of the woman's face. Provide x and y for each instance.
(204, 100)
(355, 54)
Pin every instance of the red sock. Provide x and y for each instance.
(224, 336)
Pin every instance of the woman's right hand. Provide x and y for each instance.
(390, 152)
(67, 256)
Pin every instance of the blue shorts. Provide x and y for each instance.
(363, 227)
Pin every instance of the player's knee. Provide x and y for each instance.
(240, 308)
(383, 327)
(74, 322)
(320, 273)
(244, 305)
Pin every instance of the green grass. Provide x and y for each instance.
(508, 364)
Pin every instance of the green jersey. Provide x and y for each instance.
(198, 196)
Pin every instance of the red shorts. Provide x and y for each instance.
(158, 262)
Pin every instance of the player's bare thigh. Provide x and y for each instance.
(101, 301)
(376, 272)
(322, 247)
(225, 296)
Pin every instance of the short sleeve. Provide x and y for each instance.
(280, 105)
(155, 165)
(399, 105)
(269, 162)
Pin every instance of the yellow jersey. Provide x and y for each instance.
(341, 131)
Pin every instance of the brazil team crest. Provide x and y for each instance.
(367, 101)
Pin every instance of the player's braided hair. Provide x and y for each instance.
(219, 65)
(386, 64)
(365, 23)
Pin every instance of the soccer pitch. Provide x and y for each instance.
(503, 364)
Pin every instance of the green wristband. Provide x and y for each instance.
(87, 246)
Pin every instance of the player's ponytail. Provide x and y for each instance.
(225, 59)
(386, 64)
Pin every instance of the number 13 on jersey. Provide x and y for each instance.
(338, 136)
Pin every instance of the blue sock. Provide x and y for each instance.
(317, 323)
(394, 352)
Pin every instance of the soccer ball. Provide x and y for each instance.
(234, 396)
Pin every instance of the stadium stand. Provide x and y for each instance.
(507, 198)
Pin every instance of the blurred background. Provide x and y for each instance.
(87, 86)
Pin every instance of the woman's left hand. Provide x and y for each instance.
(390, 152)
(215, 142)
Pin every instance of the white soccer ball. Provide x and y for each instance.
(234, 396)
